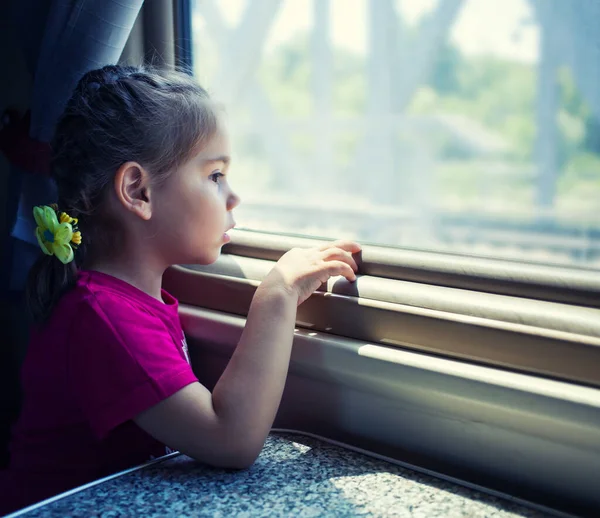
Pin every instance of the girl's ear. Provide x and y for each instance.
(132, 187)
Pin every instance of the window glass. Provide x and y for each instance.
(469, 126)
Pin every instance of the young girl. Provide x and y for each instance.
(141, 162)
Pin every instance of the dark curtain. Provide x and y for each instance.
(61, 40)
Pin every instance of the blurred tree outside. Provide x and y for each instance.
(474, 117)
(496, 95)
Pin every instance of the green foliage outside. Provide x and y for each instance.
(497, 95)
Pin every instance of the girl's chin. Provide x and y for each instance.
(206, 257)
(208, 254)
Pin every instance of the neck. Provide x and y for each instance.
(137, 271)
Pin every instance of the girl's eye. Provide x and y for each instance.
(216, 176)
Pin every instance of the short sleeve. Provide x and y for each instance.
(122, 361)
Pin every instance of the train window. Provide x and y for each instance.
(468, 126)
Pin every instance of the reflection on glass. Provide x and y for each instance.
(469, 126)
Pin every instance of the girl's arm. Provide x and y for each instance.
(228, 428)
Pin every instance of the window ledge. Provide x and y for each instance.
(579, 286)
(538, 337)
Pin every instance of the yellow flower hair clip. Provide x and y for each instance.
(57, 233)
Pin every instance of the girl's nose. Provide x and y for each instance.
(233, 201)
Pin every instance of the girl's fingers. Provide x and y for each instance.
(344, 244)
(335, 268)
(340, 255)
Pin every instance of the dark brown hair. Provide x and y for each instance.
(115, 115)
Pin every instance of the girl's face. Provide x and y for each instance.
(194, 206)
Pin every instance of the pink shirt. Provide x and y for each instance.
(109, 352)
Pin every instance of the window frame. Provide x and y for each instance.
(539, 430)
(512, 332)
(552, 283)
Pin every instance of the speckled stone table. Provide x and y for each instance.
(294, 476)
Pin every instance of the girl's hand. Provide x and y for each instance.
(302, 270)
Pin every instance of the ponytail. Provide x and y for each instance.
(54, 272)
(47, 282)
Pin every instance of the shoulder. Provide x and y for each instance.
(123, 355)
(101, 308)
(115, 332)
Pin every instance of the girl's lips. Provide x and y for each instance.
(226, 236)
